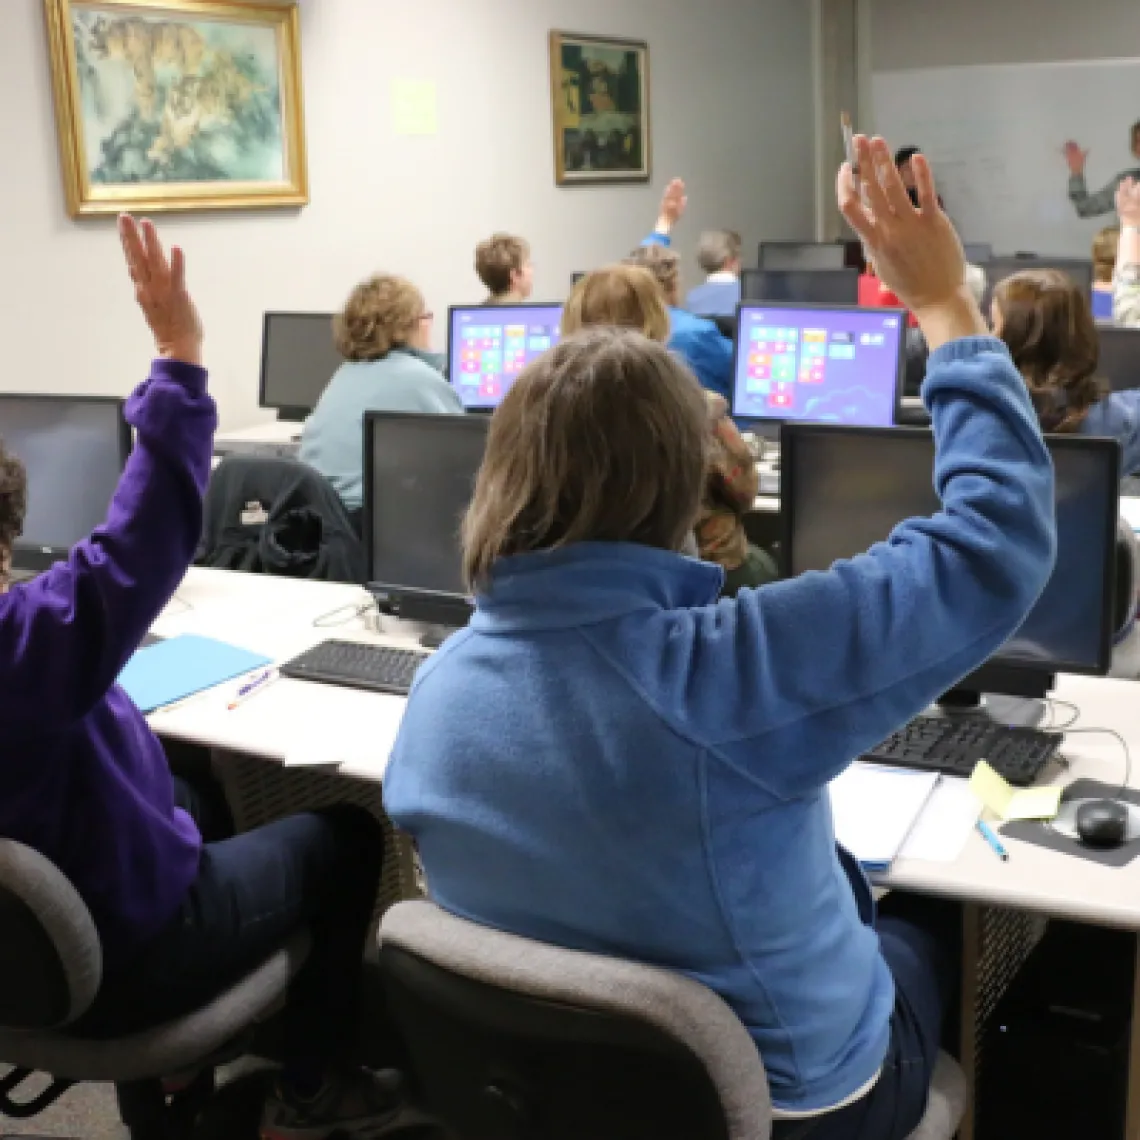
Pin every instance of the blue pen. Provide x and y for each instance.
(251, 686)
(990, 836)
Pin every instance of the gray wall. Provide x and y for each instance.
(911, 34)
(732, 111)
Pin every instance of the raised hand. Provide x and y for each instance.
(1128, 201)
(160, 289)
(1075, 157)
(674, 202)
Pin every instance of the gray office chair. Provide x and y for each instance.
(50, 972)
(516, 1040)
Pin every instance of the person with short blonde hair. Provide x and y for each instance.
(610, 759)
(504, 266)
(718, 255)
(628, 297)
(1105, 247)
(384, 334)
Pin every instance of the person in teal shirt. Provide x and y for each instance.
(384, 334)
(696, 340)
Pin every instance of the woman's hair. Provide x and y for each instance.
(663, 263)
(497, 258)
(381, 314)
(13, 504)
(602, 439)
(1048, 327)
(1104, 249)
(621, 295)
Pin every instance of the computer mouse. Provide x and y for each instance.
(1102, 823)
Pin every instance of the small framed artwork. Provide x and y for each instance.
(599, 91)
(182, 105)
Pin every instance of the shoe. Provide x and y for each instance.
(357, 1105)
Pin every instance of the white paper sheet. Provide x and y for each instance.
(942, 830)
(875, 808)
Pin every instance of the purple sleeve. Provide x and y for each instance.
(65, 636)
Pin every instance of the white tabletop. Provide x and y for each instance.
(272, 431)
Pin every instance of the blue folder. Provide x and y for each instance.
(175, 669)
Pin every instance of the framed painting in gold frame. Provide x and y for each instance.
(180, 105)
(599, 94)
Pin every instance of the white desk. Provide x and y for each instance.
(275, 437)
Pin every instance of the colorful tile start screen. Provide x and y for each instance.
(838, 366)
(491, 345)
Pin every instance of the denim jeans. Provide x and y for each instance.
(921, 941)
(318, 870)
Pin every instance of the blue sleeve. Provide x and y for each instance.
(1124, 412)
(656, 238)
(792, 681)
(709, 354)
(66, 635)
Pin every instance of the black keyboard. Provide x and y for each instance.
(953, 745)
(374, 667)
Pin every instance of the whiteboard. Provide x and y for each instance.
(994, 136)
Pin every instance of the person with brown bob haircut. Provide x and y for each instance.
(628, 297)
(384, 335)
(1045, 321)
(608, 758)
(504, 266)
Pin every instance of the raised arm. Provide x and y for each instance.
(674, 202)
(1087, 205)
(1126, 279)
(807, 673)
(65, 636)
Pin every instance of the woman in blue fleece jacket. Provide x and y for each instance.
(610, 759)
(85, 782)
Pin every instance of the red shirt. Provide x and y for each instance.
(873, 294)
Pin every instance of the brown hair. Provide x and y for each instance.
(619, 295)
(663, 263)
(1048, 327)
(602, 439)
(13, 505)
(381, 314)
(497, 258)
(1104, 249)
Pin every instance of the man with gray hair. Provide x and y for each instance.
(719, 256)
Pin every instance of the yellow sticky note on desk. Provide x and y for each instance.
(1009, 803)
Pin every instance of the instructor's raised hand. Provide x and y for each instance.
(160, 289)
(915, 250)
(1075, 157)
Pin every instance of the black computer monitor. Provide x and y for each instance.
(419, 474)
(489, 345)
(298, 359)
(815, 286)
(978, 252)
(802, 255)
(1119, 357)
(820, 363)
(999, 268)
(74, 449)
(844, 489)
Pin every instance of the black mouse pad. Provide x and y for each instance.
(1042, 835)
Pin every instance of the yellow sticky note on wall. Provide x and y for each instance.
(1010, 803)
(414, 107)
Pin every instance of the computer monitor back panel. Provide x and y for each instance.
(1119, 357)
(489, 345)
(801, 255)
(813, 286)
(74, 449)
(843, 490)
(419, 476)
(298, 359)
(999, 268)
(978, 252)
(818, 363)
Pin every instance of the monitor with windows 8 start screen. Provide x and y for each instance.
(818, 363)
(489, 345)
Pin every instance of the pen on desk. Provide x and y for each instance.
(990, 836)
(251, 688)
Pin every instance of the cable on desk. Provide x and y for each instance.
(342, 615)
(1052, 704)
(1127, 754)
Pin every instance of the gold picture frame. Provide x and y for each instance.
(178, 105)
(599, 98)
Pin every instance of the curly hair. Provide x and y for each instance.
(1048, 327)
(663, 263)
(621, 295)
(13, 504)
(380, 315)
(497, 259)
(1105, 246)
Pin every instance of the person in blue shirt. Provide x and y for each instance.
(697, 341)
(718, 254)
(1046, 323)
(610, 759)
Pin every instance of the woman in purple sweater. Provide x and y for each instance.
(86, 783)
